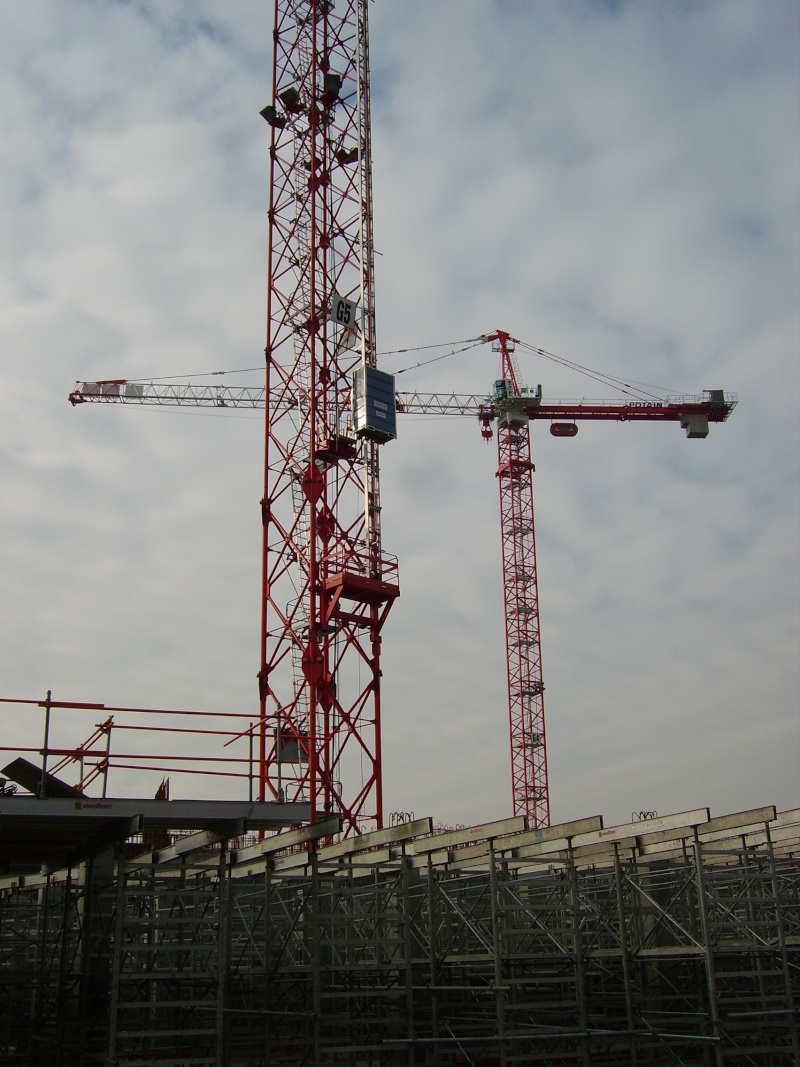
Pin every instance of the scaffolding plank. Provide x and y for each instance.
(755, 816)
(287, 839)
(645, 826)
(512, 843)
(200, 839)
(390, 835)
(454, 838)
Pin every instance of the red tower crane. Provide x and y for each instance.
(529, 787)
(511, 407)
(327, 585)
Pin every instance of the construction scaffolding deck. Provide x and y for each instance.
(672, 940)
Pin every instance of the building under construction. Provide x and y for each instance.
(672, 940)
(296, 928)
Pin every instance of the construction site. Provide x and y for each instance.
(297, 923)
(668, 941)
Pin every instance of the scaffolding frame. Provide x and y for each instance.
(667, 941)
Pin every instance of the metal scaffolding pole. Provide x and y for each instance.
(677, 942)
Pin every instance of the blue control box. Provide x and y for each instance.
(374, 410)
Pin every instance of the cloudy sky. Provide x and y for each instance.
(615, 182)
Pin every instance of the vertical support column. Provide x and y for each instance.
(38, 1006)
(315, 933)
(149, 931)
(62, 1007)
(224, 903)
(705, 928)
(433, 965)
(86, 948)
(407, 952)
(626, 961)
(46, 743)
(580, 987)
(497, 952)
(750, 877)
(530, 791)
(117, 960)
(267, 926)
(787, 978)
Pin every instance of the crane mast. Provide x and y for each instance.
(529, 788)
(327, 585)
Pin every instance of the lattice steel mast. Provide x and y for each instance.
(327, 586)
(529, 788)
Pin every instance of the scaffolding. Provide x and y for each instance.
(672, 940)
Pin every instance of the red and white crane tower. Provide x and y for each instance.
(327, 585)
(529, 787)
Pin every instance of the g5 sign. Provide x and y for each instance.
(344, 311)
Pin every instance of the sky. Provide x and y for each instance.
(614, 182)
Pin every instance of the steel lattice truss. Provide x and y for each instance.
(327, 585)
(524, 654)
(174, 394)
(664, 940)
(521, 601)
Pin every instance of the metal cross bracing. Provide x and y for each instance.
(525, 686)
(327, 585)
(169, 966)
(511, 408)
(54, 965)
(480, 405)
(674, 940)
